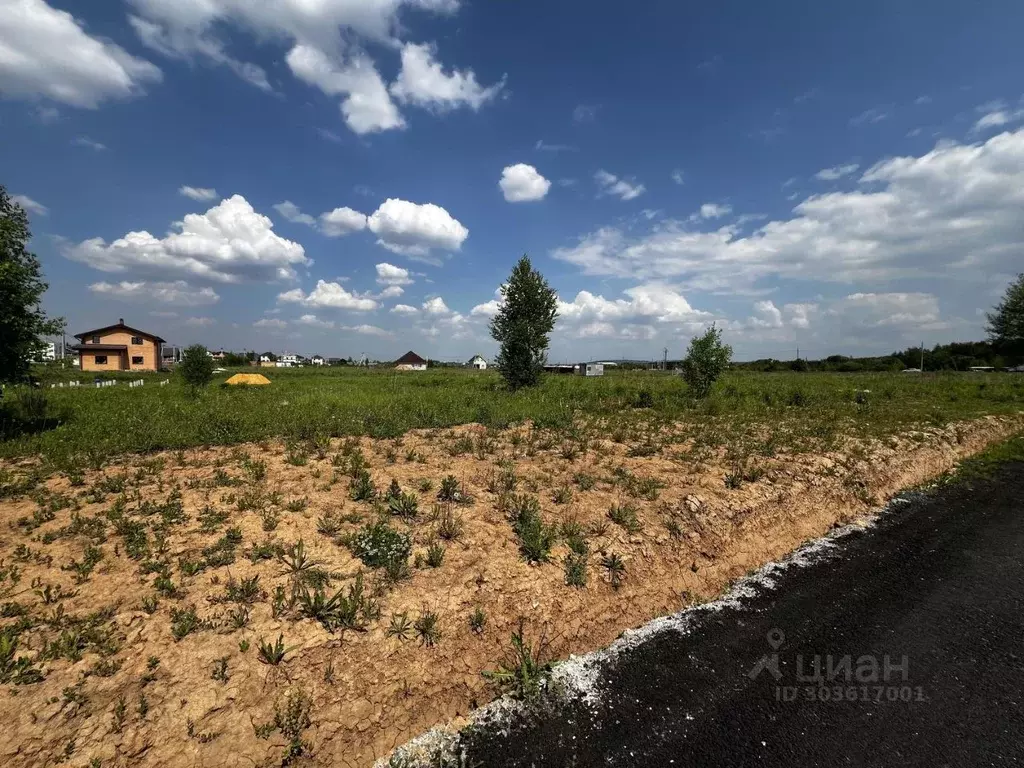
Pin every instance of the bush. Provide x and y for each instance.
(196, 366)
(379, 545)
(706, 359)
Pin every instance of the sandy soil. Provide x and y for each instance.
(371, 692)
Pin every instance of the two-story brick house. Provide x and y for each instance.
(118, 348)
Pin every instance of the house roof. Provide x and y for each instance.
(477, 357)
(411, 357)
(119, 326)
(100, 348)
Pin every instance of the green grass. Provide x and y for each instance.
(309, 404)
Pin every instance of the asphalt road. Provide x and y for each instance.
(928, 605)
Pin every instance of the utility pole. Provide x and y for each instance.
(664, 362)
(922, 357)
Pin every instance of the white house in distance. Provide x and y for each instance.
(410, 361)
(289, 360)
(317, 360)
(478, 362)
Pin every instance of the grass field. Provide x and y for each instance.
(319, 569)
(307, 404)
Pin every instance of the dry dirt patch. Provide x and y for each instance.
(120, 688)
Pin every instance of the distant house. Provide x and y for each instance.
(119, 348)
(218, 355)
(290, 361)
(410, 361)
(477, 362)
(317, 360)
(46, 352)
(590, 369)
(265, 359)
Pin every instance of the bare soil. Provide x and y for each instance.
(371, 692)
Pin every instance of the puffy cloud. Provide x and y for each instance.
(178, 292)
(995, 115)
(230, 243)
(271, 322)
(953, 212)
(389, 274)
(423, 82)
(201, 322)
(768, 315)
(799, 314)
(202, 194)
(331, 295)
(391, 292)
(714, 210)
(404, 309)
(342, 221)
(522, 183)
(367, 330)
(45, 53)
(326, 50)
(885, 310)
(487, 309)
(610, 184)
(410, 229)
(367, 106)
(836, 172)
(336, 223)
(314, 322)
(436, 306)
(291, 212)
(30, 205)
(656, 302)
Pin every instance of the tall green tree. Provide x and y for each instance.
(1006, 322)
(705, 360)
(22, 321)
(196, 366)
(527, 315)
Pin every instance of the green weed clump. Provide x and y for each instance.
(379, 545)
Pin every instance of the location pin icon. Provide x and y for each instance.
(776, 637)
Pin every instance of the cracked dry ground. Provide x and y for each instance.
(100, 571)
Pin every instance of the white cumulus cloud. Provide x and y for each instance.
(714, 210)
(610, 184)
(367, 107)
(412, 229)
(404, 309)
(952, 213)
(522, 183)
(423, 82)
(330, 295)
(389, 274)
(342, 221)
(836, 172)
(178, 292)
(46, 53)
(327, 50)
(230, 243)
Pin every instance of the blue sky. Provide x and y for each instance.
(358, 176)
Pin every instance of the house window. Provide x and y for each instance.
(136, 359)
(95, 339)
(136, 339)
(101, 359)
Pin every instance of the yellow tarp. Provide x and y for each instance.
(252, 379)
